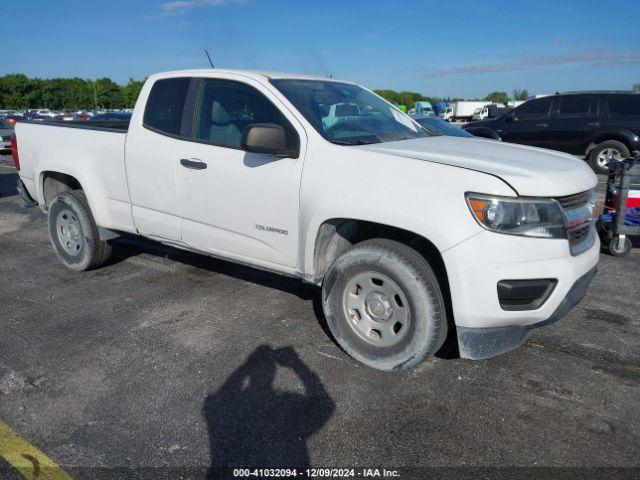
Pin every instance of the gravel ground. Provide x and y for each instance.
(169, 359)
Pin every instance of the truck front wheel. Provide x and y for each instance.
(74, 234)
(383, 305)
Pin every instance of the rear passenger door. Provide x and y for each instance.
(150, 159)
(529, 124)
(236, 203)
(574, 118)
(623, 111)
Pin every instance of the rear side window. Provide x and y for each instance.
(166, 104)
(624, 105)
(534, 109)
(575, 106)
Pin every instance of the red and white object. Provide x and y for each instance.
(633, 200)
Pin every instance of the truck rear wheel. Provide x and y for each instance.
(383, 305)
(74, 233)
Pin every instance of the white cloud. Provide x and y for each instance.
(181, 6)
(591, 57)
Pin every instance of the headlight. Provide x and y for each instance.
(529, 218)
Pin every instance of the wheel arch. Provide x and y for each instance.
(623, 136)
(53, 183)
(337, 235)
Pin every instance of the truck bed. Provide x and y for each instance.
(90, 152)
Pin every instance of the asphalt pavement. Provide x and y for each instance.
(166, 363)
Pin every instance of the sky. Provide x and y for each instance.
(445, 48)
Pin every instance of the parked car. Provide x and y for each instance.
(6, 131)
(601, 126)
(408, 234)
(45, 112)
(36, 117)
(437, 126)
(12, 119)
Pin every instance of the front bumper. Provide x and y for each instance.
(479, 343)
(476, 266)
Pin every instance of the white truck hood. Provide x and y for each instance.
(531, 171)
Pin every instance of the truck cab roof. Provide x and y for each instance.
(256, 74)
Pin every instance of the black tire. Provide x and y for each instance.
(616, 251)
(82, 249)
(426, 327)
(601, 147)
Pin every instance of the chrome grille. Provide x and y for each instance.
(580, 233)
(575, 200)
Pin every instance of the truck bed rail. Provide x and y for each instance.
(116, 126)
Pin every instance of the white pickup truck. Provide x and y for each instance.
(410, 235)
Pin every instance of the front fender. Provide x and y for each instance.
(424, 198)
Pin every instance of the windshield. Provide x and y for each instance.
(440, 127)
(347, 114)
(477, 111)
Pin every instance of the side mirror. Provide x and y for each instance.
(266, 138)
(510, 117)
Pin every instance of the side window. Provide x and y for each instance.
(534, 109)
(165, 104)
(575, 106)
(624, 105)
(225, 108)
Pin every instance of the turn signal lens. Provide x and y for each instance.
(479, 206)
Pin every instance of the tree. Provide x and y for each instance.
(109, 94)
(405, 97)
(636, 87)
(520, 94)
(497, 97)
(131, 91)
(18, 91)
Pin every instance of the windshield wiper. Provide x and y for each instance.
(357, 142)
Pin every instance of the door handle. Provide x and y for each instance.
(193, 163)
(593, 124)
(542, 125)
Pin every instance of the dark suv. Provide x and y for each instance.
(599, 125)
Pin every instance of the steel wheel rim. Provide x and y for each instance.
(376, 309)
(608, 154)
(69, 232)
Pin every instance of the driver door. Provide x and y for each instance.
(236, 203)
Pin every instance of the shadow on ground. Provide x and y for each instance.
(254, 425)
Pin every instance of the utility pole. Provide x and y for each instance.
(95, 95)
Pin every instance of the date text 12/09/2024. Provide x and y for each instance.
(315, 473)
